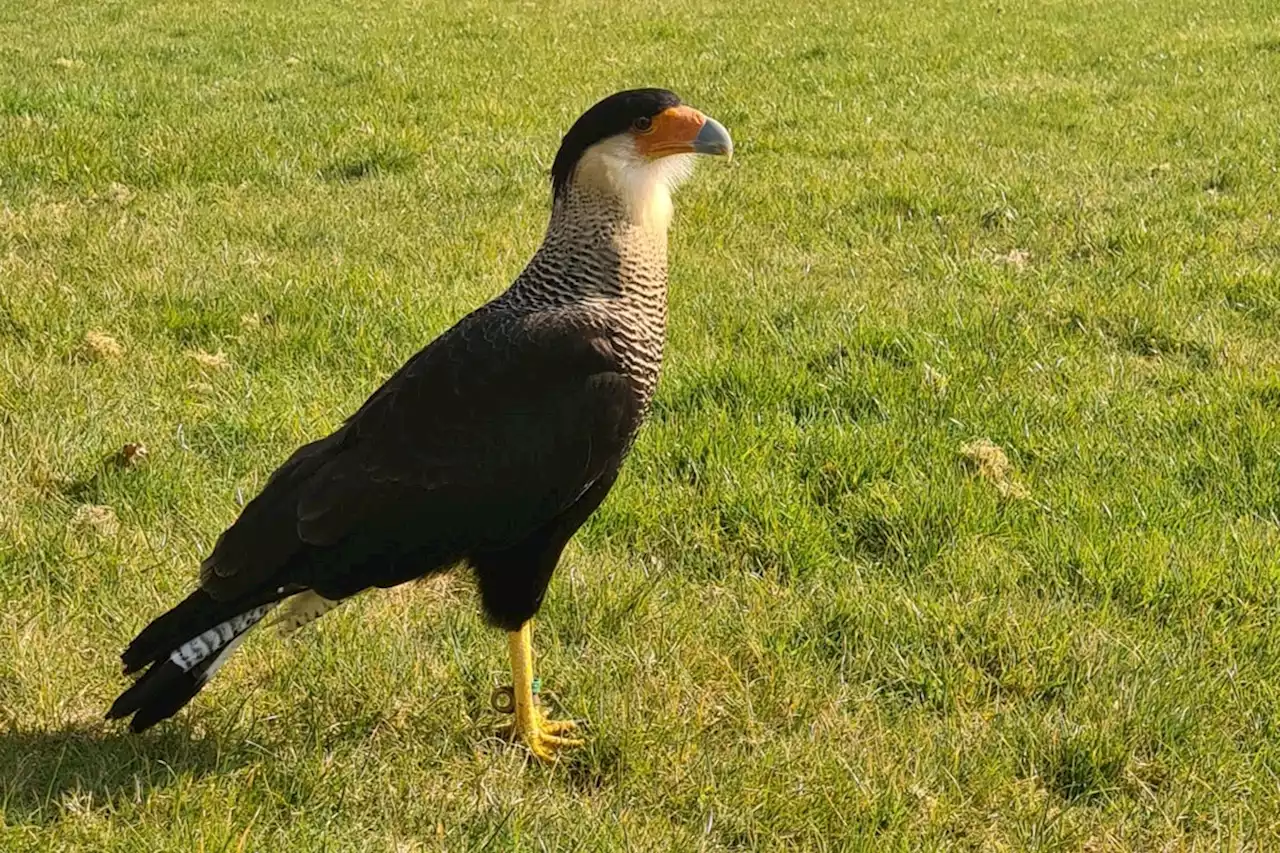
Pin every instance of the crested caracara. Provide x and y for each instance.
(489, 448)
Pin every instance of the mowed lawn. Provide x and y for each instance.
(956, 524)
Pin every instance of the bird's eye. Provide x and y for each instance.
(643, 124)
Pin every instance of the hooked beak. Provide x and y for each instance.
(684, 130)
(713, 139)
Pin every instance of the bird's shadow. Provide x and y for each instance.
(43, 772)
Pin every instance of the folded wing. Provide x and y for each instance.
(482, 438)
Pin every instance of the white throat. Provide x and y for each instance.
(642, 186)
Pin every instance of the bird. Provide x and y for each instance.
(487, 450)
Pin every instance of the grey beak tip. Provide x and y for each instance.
(713, 139)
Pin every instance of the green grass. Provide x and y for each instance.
(803, 620)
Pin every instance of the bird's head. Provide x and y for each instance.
(636, 146)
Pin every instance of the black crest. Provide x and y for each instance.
(609, 117)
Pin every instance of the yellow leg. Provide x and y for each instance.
(541, 735)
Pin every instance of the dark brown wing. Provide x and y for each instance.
(484, 436)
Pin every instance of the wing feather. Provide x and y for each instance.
(484, 436)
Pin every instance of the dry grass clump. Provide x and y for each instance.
(210, 361)
(94, 519)
(991, 463)
(100, 346)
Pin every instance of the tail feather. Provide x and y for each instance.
(158, 695)
(301, 610)
(179, 660)
(207, 643)
(192, 616)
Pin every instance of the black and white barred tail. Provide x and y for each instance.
(181, 651)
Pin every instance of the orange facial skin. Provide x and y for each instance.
(673, 132)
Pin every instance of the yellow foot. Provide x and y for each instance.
(559, 727)
(544, 738)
